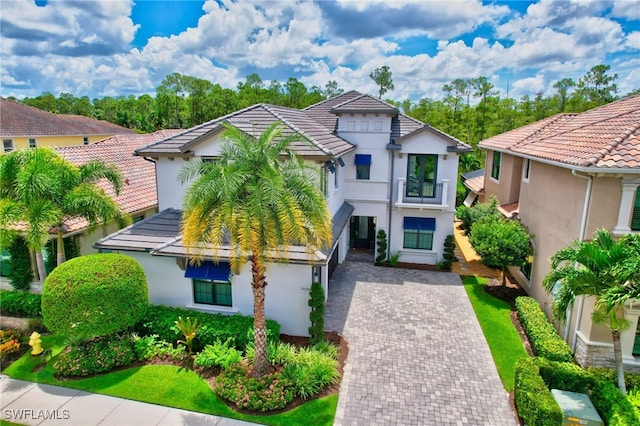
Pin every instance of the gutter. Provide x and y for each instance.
(583, 228)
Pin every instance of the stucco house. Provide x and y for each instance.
(564, 177)
(382, 170)
(23, 126)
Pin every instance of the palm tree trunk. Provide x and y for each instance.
(60, 256)
(42, 272)
(617, 354)
(261, 361)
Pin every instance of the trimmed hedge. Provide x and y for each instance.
(536, 405)
(544, 339)
(20, 303)
(632, 380)
(95, 356)
(94, 295)
(238, 329)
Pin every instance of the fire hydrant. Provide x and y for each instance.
(36, 343)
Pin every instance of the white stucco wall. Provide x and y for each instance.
(170, 191)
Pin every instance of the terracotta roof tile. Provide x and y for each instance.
(475, 184)
(139, 190)
(19, 120)
(606, 137)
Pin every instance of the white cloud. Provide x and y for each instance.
(627, 9)
(633, 40)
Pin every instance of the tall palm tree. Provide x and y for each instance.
(42, 190)
(261, 197)
(605, 269)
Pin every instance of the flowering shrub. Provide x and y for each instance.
(95, 356)
(148, 347)
(218, 355)
(270, 392)
(9, 343)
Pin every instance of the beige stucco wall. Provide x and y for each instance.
(51, 141)
(605, 204)
(507, 188)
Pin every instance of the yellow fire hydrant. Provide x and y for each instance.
(36, 343)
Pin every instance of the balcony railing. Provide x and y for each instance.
(437, 197)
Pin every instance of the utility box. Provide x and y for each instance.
(577, 408)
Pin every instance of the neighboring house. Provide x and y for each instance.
(564, 177)
(381, 170)
(23, 126)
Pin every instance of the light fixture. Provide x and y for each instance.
(329, 165)
(341, 162)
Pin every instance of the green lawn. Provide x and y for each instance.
(503, 338)
(165, 385)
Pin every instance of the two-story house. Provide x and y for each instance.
(564, 177)
(23, 126)
(382, 170)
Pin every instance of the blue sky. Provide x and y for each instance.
(124, 47)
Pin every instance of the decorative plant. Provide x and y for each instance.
(395, 257)
(316, 302)
(448, 252)
(382, 246)
(189, 329)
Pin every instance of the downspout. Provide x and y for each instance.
(392, 147)
(583, 229)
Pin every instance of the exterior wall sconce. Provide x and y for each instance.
(341, 162)
(329, 165)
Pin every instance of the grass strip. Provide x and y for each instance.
(166, 385)
(494, 316)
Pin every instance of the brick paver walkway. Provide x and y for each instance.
(417, 355)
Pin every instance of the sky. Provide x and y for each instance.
(126, 47)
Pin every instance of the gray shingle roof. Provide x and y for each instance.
(365, 104)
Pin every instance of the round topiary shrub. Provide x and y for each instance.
(95, 295)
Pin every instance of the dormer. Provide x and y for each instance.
(364, 117)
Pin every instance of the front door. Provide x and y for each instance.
(363, 230)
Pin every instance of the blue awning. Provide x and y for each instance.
(420, 223)
(208, 270)
(363, 160)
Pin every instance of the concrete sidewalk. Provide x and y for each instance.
(28, 403)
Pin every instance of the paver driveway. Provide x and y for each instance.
(417, 355)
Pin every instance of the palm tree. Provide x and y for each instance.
(261, 197)
(605, 269)
(41, 190)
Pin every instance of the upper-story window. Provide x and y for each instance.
(32, 143)
(495, 165)
(324, 181)
(7, 145)
(421, 175)
(363, 166)
(526, 170)
(85, 140)
(336, 177)
(635, 217)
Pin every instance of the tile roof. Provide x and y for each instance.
(19, 120)
(509, 210)
(364, 104)
(139, 190)
(475, 184)
(254, 120)
(603, 138)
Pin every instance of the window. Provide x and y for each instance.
(418, 232)
(7, 145)
(32, 143)
(85, 140)
(207, 159)
(526, 170)
(635, 216)
(364, 126)
(212, 292)
(324, 181)
(421, 175)
(363, 166)
(527, 268)
(495, 166)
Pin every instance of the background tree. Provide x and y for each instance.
(20, 274)
(605, 269)
(332, 89)
(500, 243)
(382, 77)
(262, 197)
(596, 87)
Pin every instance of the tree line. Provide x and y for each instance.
(471, 110)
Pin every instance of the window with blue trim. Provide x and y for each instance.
(418, 232)
(363, 166)
(211, 283)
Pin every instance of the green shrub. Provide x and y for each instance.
(544, 339)
(20, 273)
(632, 380)
(94, 295)
(327, 348)
(613, 406)
(470, 215)
(149, 347)
(310, 371)
(382, 246)
(95, 356)
(160, 320)
(20, 303)
(270, 392)
(218, 355)
(36, 324)
(563, 375)
(316, 315)
(633, 395)
(448, 252)
(533, 399)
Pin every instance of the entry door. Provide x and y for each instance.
(363, 230)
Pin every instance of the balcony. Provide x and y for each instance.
(435, 200)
